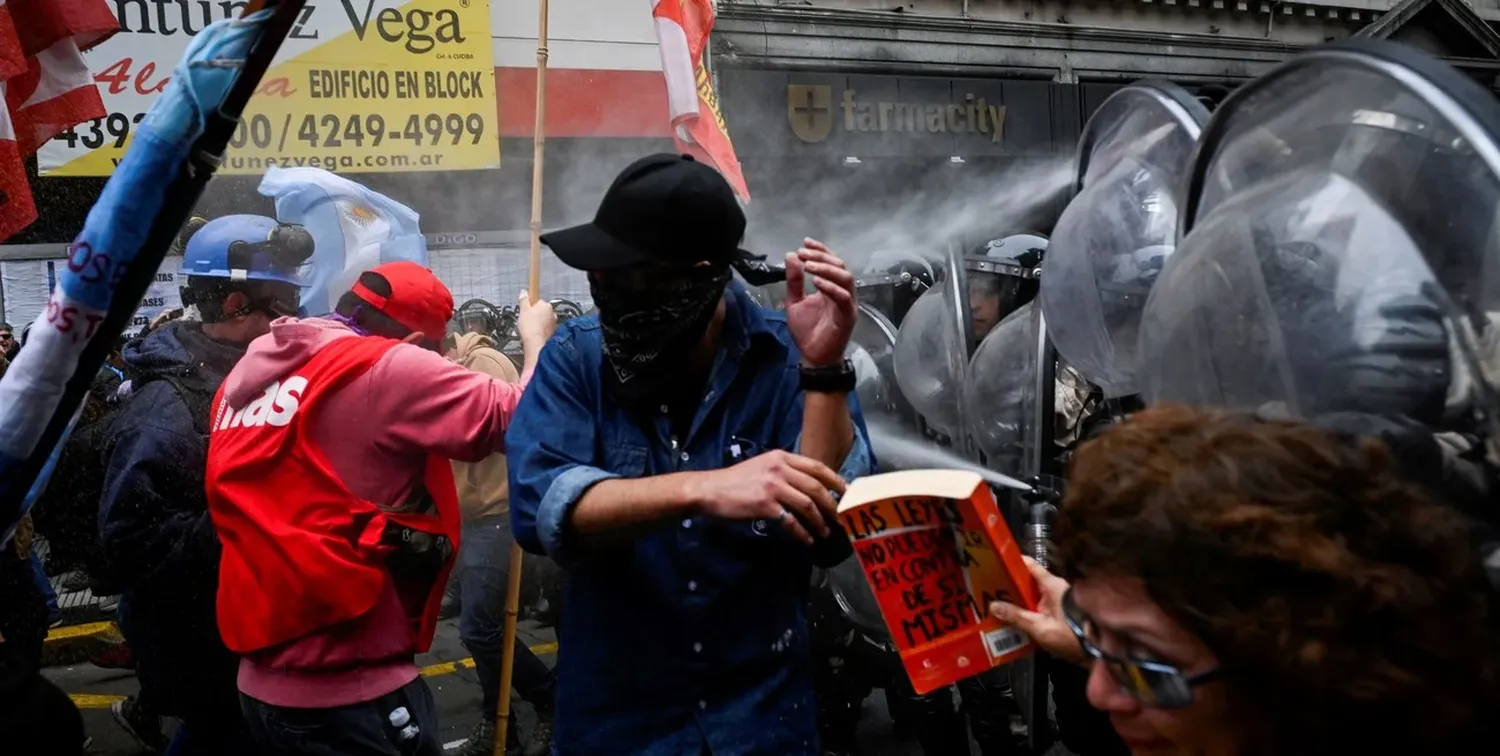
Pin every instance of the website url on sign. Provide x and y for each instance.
(332, 163)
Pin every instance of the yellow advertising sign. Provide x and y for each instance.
(359, 86)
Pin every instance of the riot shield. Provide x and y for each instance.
(932, 353)
(872, 349)
(1337, 247)
(850, 588)
(1000, 393)
(1008, 403)
(1117, 231)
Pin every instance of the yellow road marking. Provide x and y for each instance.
(91, 701)
(69, 632)
(544, 649)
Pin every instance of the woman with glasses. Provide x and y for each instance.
(1244, 587)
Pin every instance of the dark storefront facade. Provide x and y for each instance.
(879, 161)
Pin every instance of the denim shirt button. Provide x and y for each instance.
(697, 648)
(692, 585)
(702, 704)
(687, 523)
(684, 456)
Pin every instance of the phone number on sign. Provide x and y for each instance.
(325, 131)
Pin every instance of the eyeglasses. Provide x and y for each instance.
(1153, 684)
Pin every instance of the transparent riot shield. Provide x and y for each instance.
(932, 354)
(1116, 232)
(872, 349)
(1000, 392)
(1337, 248)
(1008, 402)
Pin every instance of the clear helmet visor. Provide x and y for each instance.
(1113, 237)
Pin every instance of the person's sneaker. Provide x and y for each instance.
(540, 742)
(143, 727)
(450, 608)
(76, 581)
(481, 741)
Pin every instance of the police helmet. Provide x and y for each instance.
(1003, 275)
(891, 282)
(477, 316)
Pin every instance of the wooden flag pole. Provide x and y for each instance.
(533, 287)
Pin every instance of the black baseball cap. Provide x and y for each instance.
(668, 209)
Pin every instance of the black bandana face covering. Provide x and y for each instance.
(649, 332)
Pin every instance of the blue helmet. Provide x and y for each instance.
(247, 248)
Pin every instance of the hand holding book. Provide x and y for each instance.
(1045, 626)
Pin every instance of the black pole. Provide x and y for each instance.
(203, 160)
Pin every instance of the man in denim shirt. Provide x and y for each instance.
(676, 456)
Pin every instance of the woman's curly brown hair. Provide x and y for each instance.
(1347, 608)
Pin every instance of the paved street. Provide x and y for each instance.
(453, 685)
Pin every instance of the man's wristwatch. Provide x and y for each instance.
(834, 379)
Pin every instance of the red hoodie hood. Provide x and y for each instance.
(274, 356)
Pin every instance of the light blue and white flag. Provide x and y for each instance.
(113, 238)
(354, 229)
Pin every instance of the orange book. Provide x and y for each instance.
(936, 552)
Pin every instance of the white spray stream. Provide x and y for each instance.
(899, 449)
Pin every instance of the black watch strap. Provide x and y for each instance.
(834, 379)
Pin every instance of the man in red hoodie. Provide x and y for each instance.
(330, 486)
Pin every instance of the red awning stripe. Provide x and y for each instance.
(585, 103)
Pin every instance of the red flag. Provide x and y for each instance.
(682, 29)
(45, 85)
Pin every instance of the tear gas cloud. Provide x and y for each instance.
(915, 206)
(860, 210)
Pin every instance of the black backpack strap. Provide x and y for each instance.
(199, 403)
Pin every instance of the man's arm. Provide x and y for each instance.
(551, 449)
(827, 428)
(832, 433)
(427, 404)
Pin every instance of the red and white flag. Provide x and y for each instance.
(45, 86)
(682, 29)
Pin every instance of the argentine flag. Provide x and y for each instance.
(354, 229)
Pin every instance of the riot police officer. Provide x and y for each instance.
(850, 647)
(479, 316)
(1337, 261)
(980, 290)
(1108, 248)
(983, 290)
(1002, 276)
